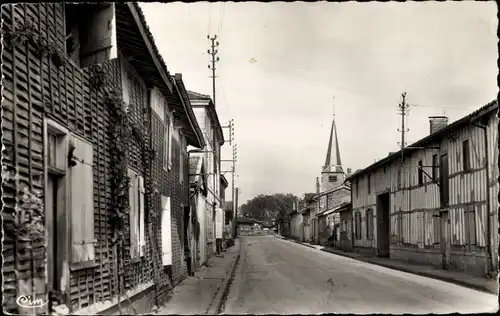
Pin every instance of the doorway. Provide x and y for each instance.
(383, 225)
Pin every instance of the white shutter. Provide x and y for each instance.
(82, 201)
(218, 223)
(166, 235)
(142, 239)
(157, 103)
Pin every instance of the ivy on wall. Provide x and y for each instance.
(26, 32)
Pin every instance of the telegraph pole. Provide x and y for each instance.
(403, 107)
(212, 52)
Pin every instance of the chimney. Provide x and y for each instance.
(349, 170)
(317, 185)
(437, 122)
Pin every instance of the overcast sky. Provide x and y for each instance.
(281, 64)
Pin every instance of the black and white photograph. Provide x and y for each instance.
(192, 158)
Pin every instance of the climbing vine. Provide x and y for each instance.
(27, 33)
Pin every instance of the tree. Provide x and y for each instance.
(269, 208)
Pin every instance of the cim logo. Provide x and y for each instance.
(27, 302)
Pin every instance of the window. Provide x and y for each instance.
(420, 173)
(399, 178)
(466, 155)
(369, 183)
(136, 215)
(167, 143)
(444, 181)
(332, 178)
(82, 200)
(357, 187)
(435, 167)
(166, 233)
(90, 33)
(357, 218)
(369, 224)
(470, 226)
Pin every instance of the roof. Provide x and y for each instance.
(137, 45)
(343, 186)
(344, 206)
(481, 112)
(198, 99)
(194, 134)
(223, 181)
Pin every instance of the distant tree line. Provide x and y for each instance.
(268, 208)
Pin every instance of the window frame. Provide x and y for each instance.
(369, 224)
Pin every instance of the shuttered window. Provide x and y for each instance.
(157, 104)
(136, 215)
(470, 226)
(369, 184)
(82, 201)
(166, 235)
(369, 224)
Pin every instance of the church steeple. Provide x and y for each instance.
(333, 152)
(332, 174)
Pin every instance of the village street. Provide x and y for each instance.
(278, 276)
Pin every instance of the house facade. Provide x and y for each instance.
(87, 122)
(328, 201)
(437, 203)
(207, 119)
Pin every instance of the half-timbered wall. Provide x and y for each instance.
(414, 224)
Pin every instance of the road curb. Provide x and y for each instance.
(224, 287)
(482, 288)
(297, 242)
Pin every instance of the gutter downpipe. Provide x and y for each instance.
(488, 206)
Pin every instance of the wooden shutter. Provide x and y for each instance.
(142, 238)
(170, 132)
(218, 223)
(99, 36)
(166, 235)
(82, 202)
(134, 214)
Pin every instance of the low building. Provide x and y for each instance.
(207, 119)
(436, 202)
(296, 225)
(336, 227)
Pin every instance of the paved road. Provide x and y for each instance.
(278, 276)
